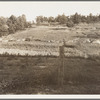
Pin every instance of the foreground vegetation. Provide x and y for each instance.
(39, 75)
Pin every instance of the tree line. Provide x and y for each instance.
(12, 24)
(70, 21)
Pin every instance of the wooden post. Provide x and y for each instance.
(26, 60)
(61, 60)
(61, 67)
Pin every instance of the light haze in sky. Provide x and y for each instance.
(49, 8)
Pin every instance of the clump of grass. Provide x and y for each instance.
(1, 66)
(9, 58)
(23, 66)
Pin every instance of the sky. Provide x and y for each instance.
(32, 9)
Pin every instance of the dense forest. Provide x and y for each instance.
(70, 21)
(12, 24)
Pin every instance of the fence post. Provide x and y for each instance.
(61, 67)
(26, 60)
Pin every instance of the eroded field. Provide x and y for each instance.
(45, 40)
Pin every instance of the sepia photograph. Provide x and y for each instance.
(49, 48)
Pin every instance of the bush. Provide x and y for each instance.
(27, 39)
(70, 23)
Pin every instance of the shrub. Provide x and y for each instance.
(70, 23)
(27, 39)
